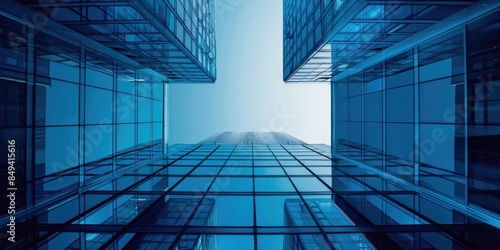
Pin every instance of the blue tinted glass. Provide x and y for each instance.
(268, 171)
(194, 184)
(436, 70)
(400, 104)
(157, 111)
(399, 79)
(60, 149)
(355, 106)
(270, 242)
(273, 184)
(234, 171)
(243, 242)
(400, 140)
(232, 184)
(309, 184)
(440, 100)
(57, 104)
(158, 91)
(267, 212)
(98, 79)
(144, 109)
(125, 108)
(98, 142)
(373, 135)
(99, 102)
(157, 131)
(437, 145)
(126, 81)
(144, 134)
(64, 71)
(373, 107)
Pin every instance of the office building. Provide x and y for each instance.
(414, 98)
(82, 99)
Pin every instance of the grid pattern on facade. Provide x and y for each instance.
(240, 194)
(428, 115)
(175, 38)
(78, 116)
(325, 38)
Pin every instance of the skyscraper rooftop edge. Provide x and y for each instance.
(248, 138)
(175, 39)
(336, 37)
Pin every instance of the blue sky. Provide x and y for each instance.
(249, 94)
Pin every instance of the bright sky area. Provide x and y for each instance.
(249, 93)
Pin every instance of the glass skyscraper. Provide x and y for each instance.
(413, 164)
(414, 89)
(83, 88)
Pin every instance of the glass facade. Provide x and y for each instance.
(427, 115)
(223, 196)
(323, 38)
(82, 109)
(175, 38)
(414, 100)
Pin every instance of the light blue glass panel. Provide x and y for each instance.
(205, 171)
(268, 171)
(125, 136)
(232, 184)
(98, 143)
(64, 71)
(157, 111)
(98, 106)
(144, 87)
(144, 134)
(178, 170)
(61, 149)
(158, 91)
(270, 242)
(126, 82)
(98, 78)
(213, 163)
(273, 184)
(240, 242)
(233, 210)
(270, 210)
(125, 108)
(373, 107)
(61, 103)
(144, 109)
(309, 184)
(157, 131)
(235, 171)
(194, 184)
